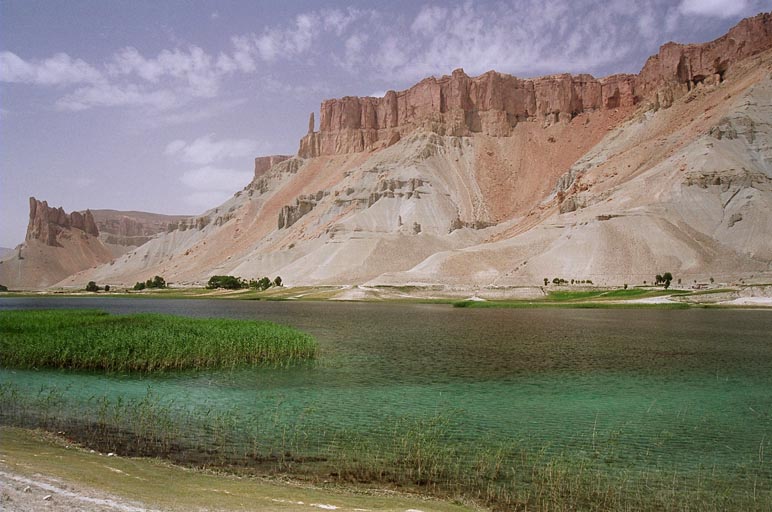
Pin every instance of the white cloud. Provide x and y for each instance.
(210, 186)
(129, 78)
(522, 37)
(106, 95)
(337, 21)
(211, 183)
(60, 69)
(216, 179)
(429, 19)
(714, 8)
(289, 42)
(188, 116)
(194, 67)
(204, 150)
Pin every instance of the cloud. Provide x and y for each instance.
(107, 95)
(60, 69)
(193, 66)
(210, 183)
(204, 150)
(208, 110)
(557, 36)
(382, 49)
(128, 78)
(288, 42)
(210, 186)
(216, 179)
(429, 19)
(714, 8)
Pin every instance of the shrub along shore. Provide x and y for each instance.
(95, 340)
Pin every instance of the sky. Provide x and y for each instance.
(162, 106)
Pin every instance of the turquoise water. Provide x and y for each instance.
(641, 390)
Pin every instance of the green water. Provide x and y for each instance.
(682, 395)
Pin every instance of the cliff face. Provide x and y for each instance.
(57, 245)
(121, 231)
(678, 68)
(264, 163)
(47, 223)
(493, 103)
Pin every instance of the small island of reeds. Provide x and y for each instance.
(94, 340)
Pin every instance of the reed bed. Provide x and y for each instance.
(408, 453)
(95, 340)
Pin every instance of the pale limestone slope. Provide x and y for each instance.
(687, 189)
(365, 214)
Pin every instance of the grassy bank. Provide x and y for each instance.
(95, 340)
(591, 470)
(590, 299)
(155, 484)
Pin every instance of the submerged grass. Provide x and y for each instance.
(593, 472)
(95, 340)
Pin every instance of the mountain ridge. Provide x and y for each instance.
(490, 182)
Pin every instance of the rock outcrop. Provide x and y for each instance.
(121, 231)
(264, 163)
(678, 68)
(493, 103)
(46, 223)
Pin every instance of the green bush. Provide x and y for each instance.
(92, 287)
(156, 282)
(227, 282)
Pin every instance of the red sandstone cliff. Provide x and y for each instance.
(264, 163)
(493, 103)
(46, 223)
(679, 67)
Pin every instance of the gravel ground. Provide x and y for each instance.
(31, 494)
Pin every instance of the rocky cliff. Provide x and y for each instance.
(47, 223)
(264, 163)
(57, 245)
(122, 231)
(458, 105)
(493, 103)
(678, 68)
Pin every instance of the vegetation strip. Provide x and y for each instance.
(95, 340)
(38, 456)
(588, 470)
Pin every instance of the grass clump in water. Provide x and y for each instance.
(95, 340)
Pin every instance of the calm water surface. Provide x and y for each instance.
(677, 389)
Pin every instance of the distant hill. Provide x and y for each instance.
(59, 244)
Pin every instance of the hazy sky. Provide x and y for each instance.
(161, 105)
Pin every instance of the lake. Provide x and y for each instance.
(640, 400)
